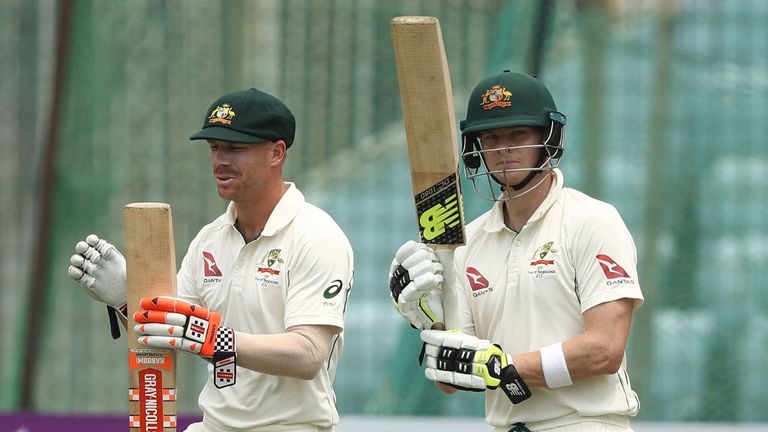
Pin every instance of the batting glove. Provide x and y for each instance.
(100, 268)
(415, 278)
(169, 322)
(469, 363)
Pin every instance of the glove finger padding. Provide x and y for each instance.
(470, 363)
(100, 268)
(168, 342)
(462, 360)
(169, 322)
(177, 305)
(198, 325)
(415, 279)
(461, 381)
(422, 311)
(160, 329)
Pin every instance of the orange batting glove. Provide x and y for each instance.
(169, 322)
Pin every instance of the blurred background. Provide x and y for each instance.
(667, 104)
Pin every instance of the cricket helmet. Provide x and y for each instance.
(505, 100)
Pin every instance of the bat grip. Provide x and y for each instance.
(450, 289)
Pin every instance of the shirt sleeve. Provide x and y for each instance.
(320, 279)
(605, 259)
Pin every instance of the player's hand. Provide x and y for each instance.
(470, 363)
(100, 268)
(415, 278)
(169, 322)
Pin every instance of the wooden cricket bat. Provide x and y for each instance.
(151, 271)
(430, 131)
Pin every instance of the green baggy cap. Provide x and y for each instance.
(248, 116)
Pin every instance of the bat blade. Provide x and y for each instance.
(430, 130)
(151, 271)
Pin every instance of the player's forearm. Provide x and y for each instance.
(298, 353)
(599, 350)
(584, 356)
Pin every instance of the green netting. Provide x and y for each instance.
(666, 109)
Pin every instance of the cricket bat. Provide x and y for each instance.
(430, 130)
(151, 271)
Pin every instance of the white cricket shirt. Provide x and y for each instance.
(528, 290)
(299, 271)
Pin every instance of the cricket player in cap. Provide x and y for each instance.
(547, 280)
(274, 273)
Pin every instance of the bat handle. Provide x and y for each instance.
(450, 290)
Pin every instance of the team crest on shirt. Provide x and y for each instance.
(268, 271)
(542, 262)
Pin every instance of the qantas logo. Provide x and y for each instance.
(211, 269)
(610, 268)
(476, 280)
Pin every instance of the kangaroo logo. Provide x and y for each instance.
(496, 96)
(476, 280)
(610, 268)
(211, 269)
(222, 114)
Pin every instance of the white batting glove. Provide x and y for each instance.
(100, 268)
(415, 279)
(469, 363)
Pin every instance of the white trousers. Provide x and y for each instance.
(577, 423)
(201, 427)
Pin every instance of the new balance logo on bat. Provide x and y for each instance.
(435, 220)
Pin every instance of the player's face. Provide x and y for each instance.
(241, 170)
(511, 152)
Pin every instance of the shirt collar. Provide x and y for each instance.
(495, 221)
(283, 213)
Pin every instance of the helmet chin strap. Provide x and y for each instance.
(531, 175)
(526, 180)
(540, 163)
(510, 197)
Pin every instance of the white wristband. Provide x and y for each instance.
(553, 364)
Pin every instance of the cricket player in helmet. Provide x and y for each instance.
(546, 283)
(509, 100)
